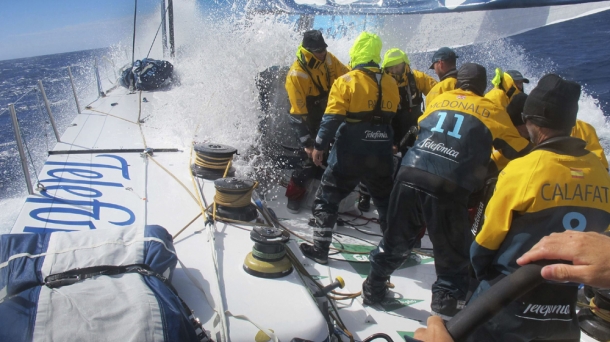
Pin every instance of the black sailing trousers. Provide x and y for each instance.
(445, 215)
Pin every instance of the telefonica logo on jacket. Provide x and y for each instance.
(438, 147)
(547, 309)
(376, 135)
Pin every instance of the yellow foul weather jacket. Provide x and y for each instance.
(423, 81)
(503, 91)
(345, 105)
(447, 83)
(558, 186)
(360, 108)
(586, 132)
(581, 130)
(308, 82)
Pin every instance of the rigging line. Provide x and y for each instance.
(22, 96)
(187, 225)
(113, 68)
(133, 45)
(153, 42)
(174, 177)
(118, 117)
(153, 159)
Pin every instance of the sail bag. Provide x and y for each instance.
(69, 286)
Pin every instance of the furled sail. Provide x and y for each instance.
(354, 7)
(425, 25)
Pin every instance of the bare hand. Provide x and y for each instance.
(435, 332)
(587, 251)
(309, 151)
(394, 149)
(317, 157)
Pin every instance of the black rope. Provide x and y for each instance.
(133, 45)
(378, 336)
(153, 42)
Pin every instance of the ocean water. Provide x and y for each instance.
(220, 69)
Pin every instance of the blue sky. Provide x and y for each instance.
(41, 27)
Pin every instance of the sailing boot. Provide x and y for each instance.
(374, 289)
(364, 202)
(317, 255)
(445, 305)
(295, 194)
(322, 237)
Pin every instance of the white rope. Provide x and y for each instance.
(22, 96)
(224, 333)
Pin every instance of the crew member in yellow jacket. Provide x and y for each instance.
(506, 85)
(558, 186)
(445, 165)
(581, 130)
(444, 65)
(360, 109)
(412, 86)
(308, 82)
(586, 132)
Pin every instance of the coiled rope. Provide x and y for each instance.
(234, 198)
(601, 313)
(209, 162)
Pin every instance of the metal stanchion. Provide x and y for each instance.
(24, 161)
(46, 104)
(100, 91)
(74, 90)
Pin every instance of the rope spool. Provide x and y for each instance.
(594, 318)
(233, 199)
(211, 161)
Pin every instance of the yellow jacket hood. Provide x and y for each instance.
(304, 55)
(394, 57)
(366, 48)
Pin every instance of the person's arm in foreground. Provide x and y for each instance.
(587, 252)
(435, 332)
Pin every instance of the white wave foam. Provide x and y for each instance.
(9, 211)
(218, 59)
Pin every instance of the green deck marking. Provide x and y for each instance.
(393, 304)
(360, 261)
(405, 333)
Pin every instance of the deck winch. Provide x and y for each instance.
(233, 199)
(594, 320)
(212, 160)
(268, 257)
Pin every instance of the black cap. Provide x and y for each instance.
(473, 77)
(313, 41)
(516, 76)
(442, 54)
(553, 103)
(515, 108)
